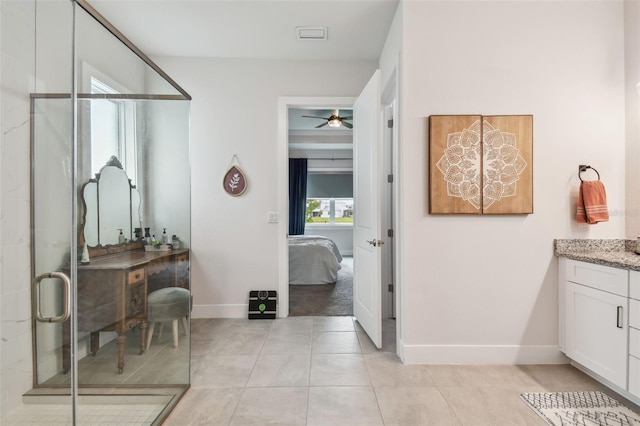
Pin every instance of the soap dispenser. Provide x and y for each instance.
(120, 236)
(147, 236)
(165, 237)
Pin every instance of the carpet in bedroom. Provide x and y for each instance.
(325, 299)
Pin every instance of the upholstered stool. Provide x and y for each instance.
(167, 304)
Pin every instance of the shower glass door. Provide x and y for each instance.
(110, 157)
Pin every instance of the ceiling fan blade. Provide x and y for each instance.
(347, 125)
(322, 125)
(315, 116)
(347, 118)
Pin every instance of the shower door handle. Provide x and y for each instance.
(66, 297)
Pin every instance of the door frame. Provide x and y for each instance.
(284, 103)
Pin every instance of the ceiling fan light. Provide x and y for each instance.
(335, 123)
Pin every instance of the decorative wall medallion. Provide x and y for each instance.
(234, 181)
(499, 146)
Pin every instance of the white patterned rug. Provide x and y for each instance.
(590, 408)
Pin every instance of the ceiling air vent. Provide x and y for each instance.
(311, 33)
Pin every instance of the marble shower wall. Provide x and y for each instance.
(17, 72)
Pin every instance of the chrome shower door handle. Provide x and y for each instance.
(66, 297)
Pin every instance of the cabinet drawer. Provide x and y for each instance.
(634, 285)
(182, 259)
(605, 278)
(634, 342)
(135, 276)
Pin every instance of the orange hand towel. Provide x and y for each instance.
(592, 203)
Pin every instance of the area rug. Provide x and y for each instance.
(591, 408)
(325, 299)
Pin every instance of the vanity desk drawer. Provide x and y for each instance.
(135, 276)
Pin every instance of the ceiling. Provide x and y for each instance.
(259, 29)
(303, 135)
(299, 123)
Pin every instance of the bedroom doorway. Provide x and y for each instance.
(320, 232)
(320, 151)
(287, 103)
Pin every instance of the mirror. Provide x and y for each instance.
(111, 204)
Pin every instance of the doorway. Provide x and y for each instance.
(283, 155)
(320, 143)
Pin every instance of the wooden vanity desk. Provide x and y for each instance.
(112, 293)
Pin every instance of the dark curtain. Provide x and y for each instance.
(297, 195)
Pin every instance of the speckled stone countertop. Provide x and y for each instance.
(615, 253)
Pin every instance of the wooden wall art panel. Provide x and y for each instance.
(480, 164)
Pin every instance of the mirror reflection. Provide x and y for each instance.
(112, 207)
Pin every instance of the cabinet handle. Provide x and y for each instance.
(619, 317)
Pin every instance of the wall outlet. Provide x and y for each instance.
(272, 217)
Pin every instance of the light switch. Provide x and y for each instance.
(272, 217)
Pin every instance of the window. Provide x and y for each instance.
(330, 211)
(112, 130)
(330, 198)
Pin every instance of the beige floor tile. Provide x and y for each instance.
(506, 376)
(413, 406)
(386, 369)
(335, 342)
(558, 378)
(489, 406)
(281, 370)
(292, 324)
(272, 406)
(338, 370)
(352, 406)
(238, 342)
(205, 407)
(225, 371)
(333, 324)
(366, 345)
(287, 342)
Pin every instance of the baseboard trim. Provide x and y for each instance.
(220, 311)
(482, 355)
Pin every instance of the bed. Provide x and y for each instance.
(313, 259)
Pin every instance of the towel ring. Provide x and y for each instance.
(583, 168)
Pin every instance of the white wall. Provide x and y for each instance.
(483, 289)
(632, 78)
(235, 111)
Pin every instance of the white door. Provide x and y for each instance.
(596, 334)
(367, 255)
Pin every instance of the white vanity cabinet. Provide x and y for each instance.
(634, 333)
(594, 332)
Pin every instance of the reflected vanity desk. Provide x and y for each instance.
(112, 294)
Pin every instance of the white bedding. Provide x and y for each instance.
(313, 259)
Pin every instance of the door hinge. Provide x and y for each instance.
(391, 288)
(390, 233)
(390, 178)
(390, 123)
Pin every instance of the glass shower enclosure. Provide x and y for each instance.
(110, 191)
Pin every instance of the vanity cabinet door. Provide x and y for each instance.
(596, 331)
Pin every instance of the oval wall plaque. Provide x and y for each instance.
(234, 181)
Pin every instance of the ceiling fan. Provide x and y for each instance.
(334, 120)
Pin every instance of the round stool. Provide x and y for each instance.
(167, 304)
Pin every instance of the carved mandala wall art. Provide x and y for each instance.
(481, 165)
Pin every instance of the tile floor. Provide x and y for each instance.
(326, 371)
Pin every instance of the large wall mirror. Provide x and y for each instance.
(111, 205)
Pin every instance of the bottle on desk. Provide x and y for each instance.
(165, 237)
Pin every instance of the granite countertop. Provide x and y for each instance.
(615, 253)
